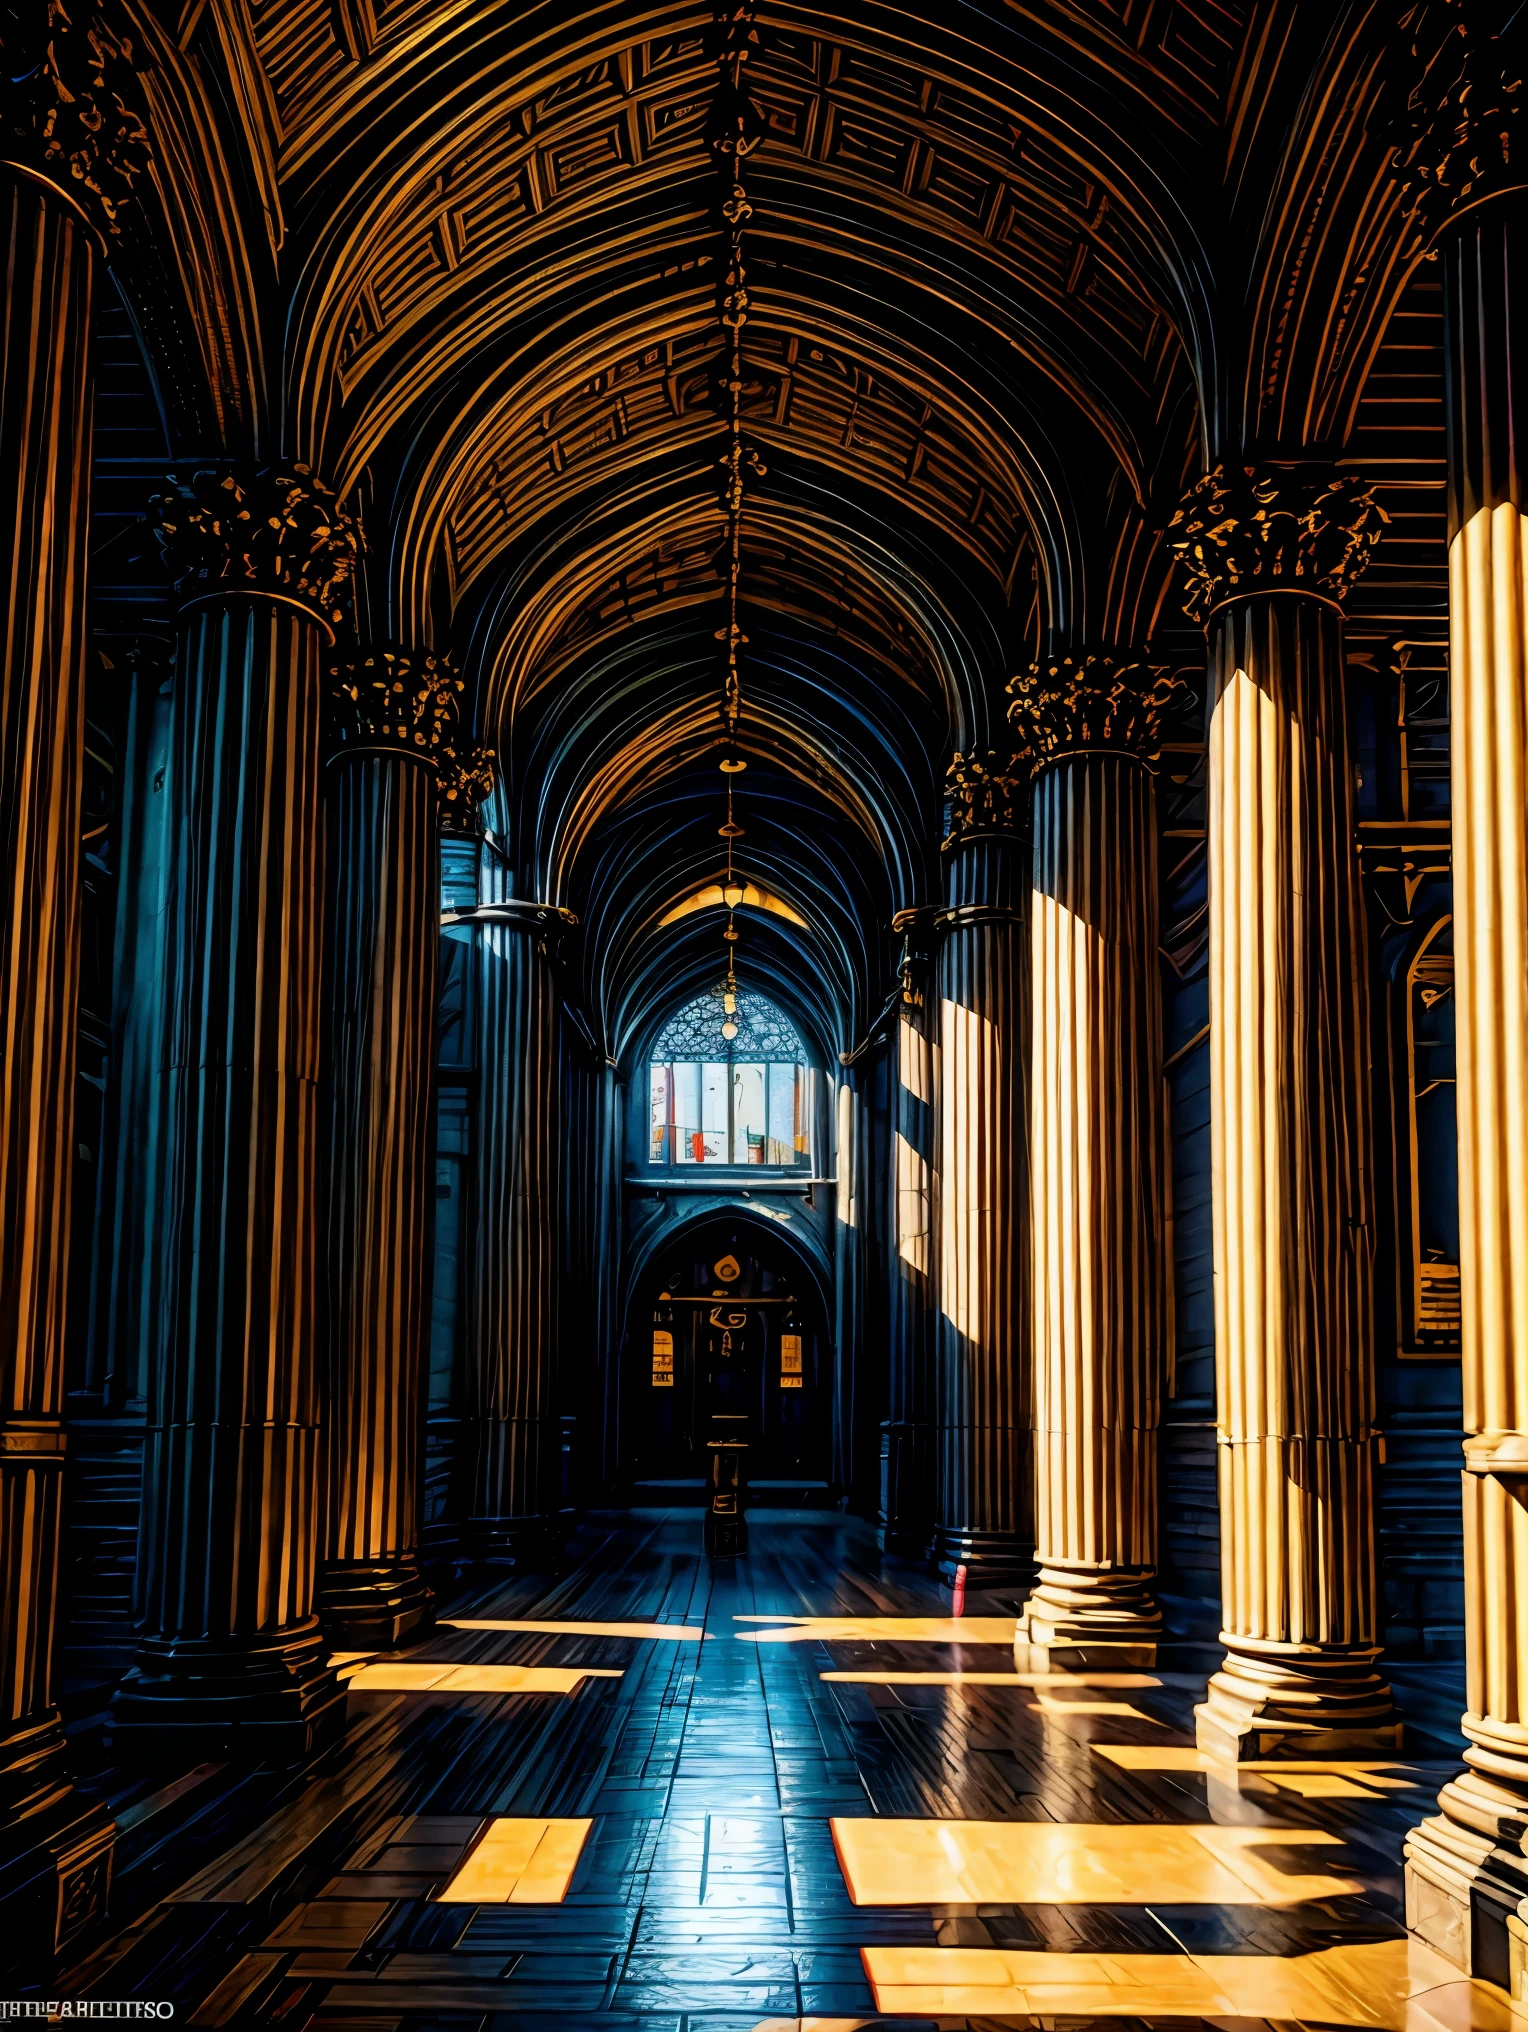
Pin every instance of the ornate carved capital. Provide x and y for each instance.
(268, 529)
(1091, 699)
(466, 778)
(392, 697)
(67, 110)
(1263, 529)
(984, 793)
(1454, 99)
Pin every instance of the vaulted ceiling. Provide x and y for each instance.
(1016, 274)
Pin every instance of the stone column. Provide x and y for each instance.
(985, 1510)
(68, 155)
(1097, 1158)
(1269, 553)
(1466, 1869)
(857, 1206)
(231, 1656)
(393, 715)
(907, 1450)
(512, 1311)
(605, 1251)
(127, 1253)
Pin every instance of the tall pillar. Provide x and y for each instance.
(127, 1254)
(857, 1205)
(1269, 553)
(985, 1512)
(1466, 1868)
(55, 1848)
(512, 1311)
(1097, 1157)
(604, 1251)
(393, 713)
(231, 1655)
(907, 1449)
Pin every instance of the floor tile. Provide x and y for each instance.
(780, 1791)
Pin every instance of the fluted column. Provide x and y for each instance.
(1269, 553)
(512, 1300)
(907, 1450)
(1466, 1870)
(1097, 1144)
(393, 716)
(857, 1206)
(985, 1514)
(127, 1255)
(231, 1655)
(602, 1448)
(55, 1848)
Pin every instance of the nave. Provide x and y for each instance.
(781, 1790)
(756, 760)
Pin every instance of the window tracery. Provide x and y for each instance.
(715, 1100)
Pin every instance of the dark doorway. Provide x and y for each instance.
(726, 1331)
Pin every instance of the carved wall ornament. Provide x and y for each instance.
(466, 779)
(269, 528)
(1092, 699)
(1454, 99)
(67, 111)
(984, 793)
(1251, 529)
(390, 695)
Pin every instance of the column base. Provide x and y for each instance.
(1083, 1617)
(905, 1541)
(55, 1849)
(515, 1542)
(1293, 1700)
(992, 1559)
(1466, 1870)
(372, 1604)
(1517, 1954)
(269, 1697)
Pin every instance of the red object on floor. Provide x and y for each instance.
(958, 1605)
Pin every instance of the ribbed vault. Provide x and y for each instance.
(1014, 277)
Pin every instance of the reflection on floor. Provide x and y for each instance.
(1003, 1862)
(399, 1677)
(1389, 1983)
(1311, 1781)
(1062, 1679)
(961, 1631)
(673, 1633)
(519, 1862)
(653, 1794)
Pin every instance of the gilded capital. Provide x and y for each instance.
(271, 529)
(984, 793)
(467, 778)
(1090, 700)
(1454, 87)
(392, 697)
(1262, 529)
(67, 110)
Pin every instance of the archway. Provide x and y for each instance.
(726, 1320)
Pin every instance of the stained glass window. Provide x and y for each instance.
(716, 1100)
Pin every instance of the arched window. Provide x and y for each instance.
(737, 1100)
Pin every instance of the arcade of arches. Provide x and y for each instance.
(764, 1012)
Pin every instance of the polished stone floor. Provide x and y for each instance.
(660, 1793)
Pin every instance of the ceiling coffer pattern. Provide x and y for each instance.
(817, 397)
(485, 204)
(1061, 256)
(1016, 278)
